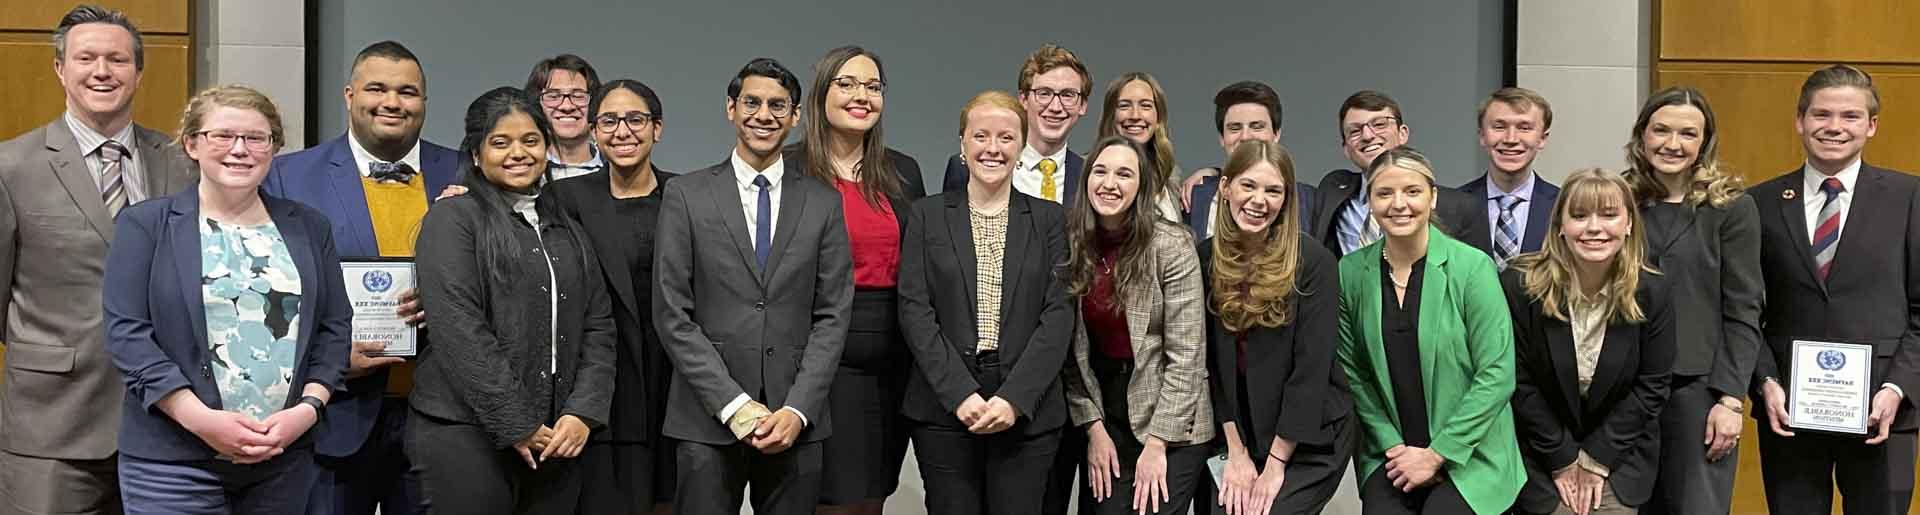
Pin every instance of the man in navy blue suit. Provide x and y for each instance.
(373, 184)
(1054, 86)
(1241, 111)
(1514, 124)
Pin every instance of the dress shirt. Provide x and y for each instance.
(1589, 324)
(364, 159)
(1027, 176)
(561, 170)
(1520, 210)
(1354, 218)
(743, 174)
(1811, 180)
(133, 179)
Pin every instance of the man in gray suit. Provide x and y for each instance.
(60, 187)
(755, 284)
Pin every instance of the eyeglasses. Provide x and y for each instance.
(1379, 125)
(222, 140)
(779, 108)
(1068, 98)
(847, 86)
(553, 97)
(635, 120)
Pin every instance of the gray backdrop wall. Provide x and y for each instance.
(1437, 58)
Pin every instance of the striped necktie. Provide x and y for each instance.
(1826, 235)
(113, 185)
(1506, 243)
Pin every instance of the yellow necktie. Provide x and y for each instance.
(1047, 188)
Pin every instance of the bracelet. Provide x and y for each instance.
(1735, 407)
(1283, 461)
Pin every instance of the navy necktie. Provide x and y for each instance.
(763, 221)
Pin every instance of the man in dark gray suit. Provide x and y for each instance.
(60, 187)
(755, 285)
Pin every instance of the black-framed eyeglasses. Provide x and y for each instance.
(1069, 98)
(222, 140)
(553, 97)
(1379, 125)
(849, 85)
(779, 108)
(635, 120)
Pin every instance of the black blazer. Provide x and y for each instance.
(1711, 261)
(1299, 392)
(1872, 294)
(1539, 212)
(489, 363)
(937, 274)
(640, 365)
(955, 178)
(1617, 422)
(912, 186)
(1460, 215)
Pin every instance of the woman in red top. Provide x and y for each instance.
(843, 147)
(1138, 384)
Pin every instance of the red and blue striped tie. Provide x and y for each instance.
(1826, 236)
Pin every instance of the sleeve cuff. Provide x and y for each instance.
(1589, 464)
(796, 412)
(726, 413)
(1896, 389)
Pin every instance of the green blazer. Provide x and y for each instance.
(1466, 364)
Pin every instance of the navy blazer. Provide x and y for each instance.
(156, 316)
(1539, 210)
(956, 178)
(326, 178)
(1200, 214)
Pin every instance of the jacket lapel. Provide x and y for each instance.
(156, 165)
(1139, 305)
(598, 207)
(960, 231)
(793, 205)
(1074, 163)
(1613, 365)
(1566, 370)
(1793, 213)
(1371, 296)
(69, 165)
(1434, 307)
(1539, 213)
(725, 195)
(1019, 234)
(295, 234)
(437, 161)
(1664, 246)
(1334, 196)
(183, 231)
(1868, 197)
(350, 200)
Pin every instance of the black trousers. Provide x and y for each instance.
(378, 476)
(1801, 472)
(1184, 463)
(999, 474)
(1379, 497)
(715, 478)
(1313, 476)
(1688, 483)
(462, 472)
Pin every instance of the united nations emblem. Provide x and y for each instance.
(1831, 360)
(379, 281)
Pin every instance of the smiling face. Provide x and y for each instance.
(1246, 121)
(568, 117)
(855, 109)
(1367, 134)
(1135, 114)
(386, 100)
(1512, 137)
(1672, 139)
(990, 142)
(1113, 184)
(1596, 232)
(1835, 127)
(234, 166)
(760, 133)
(1051, 121)
(1402, 200)
(98, 71)
(513, 155)
(1257, 197)
(629, 144)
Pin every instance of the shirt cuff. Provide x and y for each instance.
(797, 413)
(726, 413)
(1589, 464)
(1896, 389)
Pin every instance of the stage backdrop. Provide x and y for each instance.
(1437, 58)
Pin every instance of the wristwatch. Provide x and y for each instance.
(319, 406)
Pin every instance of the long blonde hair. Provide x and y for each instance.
(1549, 273)
(1708, 181)
(1255, 275)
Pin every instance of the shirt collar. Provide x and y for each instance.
(90, 140)
(744, 172)
(363, 159)
(1812, 177)
(593, 158)
(1525, 191)
(1030, 159)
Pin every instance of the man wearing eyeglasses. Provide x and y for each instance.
(61, 185)
(1371, 123)
(1053, 87)
(753, 289)
(373, 183)
(564, 84)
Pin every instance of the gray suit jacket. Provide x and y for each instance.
(61, 394)
(730, 327)
(1167, 395)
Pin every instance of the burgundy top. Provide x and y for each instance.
(1106, 321)
(874, 234)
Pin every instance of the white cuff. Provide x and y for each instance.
(727, 412)
(803, 416)
(1896, 389)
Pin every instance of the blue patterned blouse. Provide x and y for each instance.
(252, 293)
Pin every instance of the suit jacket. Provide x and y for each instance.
(912, 186)
(1617, 422)
(1295, 389)
(1539, 211)
(1872, 292)
(956, 176)
(156, 317)
(1466, 365)
(1711, 261)
(326, 178)
(937, 311)
(1460, 215)
(1167, 393)
(61, 395)
(1200, 214)
(732, 327)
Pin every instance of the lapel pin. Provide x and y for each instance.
(1787, 194)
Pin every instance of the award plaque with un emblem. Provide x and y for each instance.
(1830, 387)
(373, 288)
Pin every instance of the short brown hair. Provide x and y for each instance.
(1246, 92)
(1048, 57)
(1521, 99)
(87, 13)
(1367, 100)
(1839, 76)
(234, 96)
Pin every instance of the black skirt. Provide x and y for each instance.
(869, 440)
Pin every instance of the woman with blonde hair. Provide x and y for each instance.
(1136, 109)
(1593, 336)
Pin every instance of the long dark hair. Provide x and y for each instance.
(1083, 226)
(494, 244)
(878, 179)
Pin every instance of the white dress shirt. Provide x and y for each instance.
(743, 175)
(1027, 176)
(1811, 179)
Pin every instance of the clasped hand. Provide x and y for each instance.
(248, 441)
(565, 439)
(985, 417)
(1412, 467)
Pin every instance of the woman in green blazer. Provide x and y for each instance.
(1427, 343)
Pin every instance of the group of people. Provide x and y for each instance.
(599, 335)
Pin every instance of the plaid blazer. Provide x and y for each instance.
(1167, 395)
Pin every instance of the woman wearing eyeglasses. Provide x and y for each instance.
(845, 149)
(629, 467)
(228, 317)
(1136, 109)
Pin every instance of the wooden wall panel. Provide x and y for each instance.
(1755, 106)
(1858, 31)
(152, 16)
(32, 93)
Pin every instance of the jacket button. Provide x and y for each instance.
(769, 351)
(206, 370)
(759, 306)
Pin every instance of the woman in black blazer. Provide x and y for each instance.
(520, 371)
(844, 149)
(989, 342)
(629, 467)
(1593, 336)
(1703, 233)
(1273, 326)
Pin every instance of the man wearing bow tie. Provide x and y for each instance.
(373, 184)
